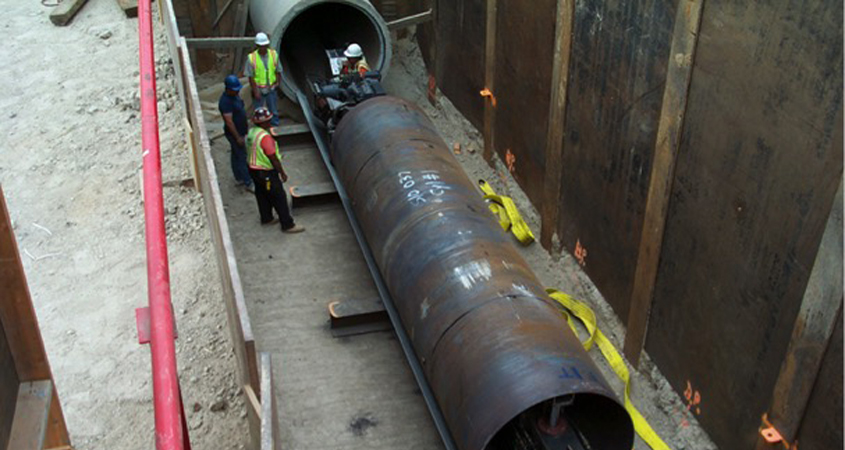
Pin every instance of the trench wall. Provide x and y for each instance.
(727, 117)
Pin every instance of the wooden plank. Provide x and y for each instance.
(557, 120)
(312, 190)
(192, 154)
(240, 326)
(269, 412)
(252, 400)
(57, 434)
(173, 39)
(290, 130)
(313, 194)
(811, 333)
(684, 39)
(221, 14)
(490, 81)
(617, 76)
(31, 413)
(821, 426)
(353, 316)
(64, 12)
(758, 168)
(9, 383)
(220, 42)
(201, 18)
(241, 15)
(409, 21)
(432, 68)
(129, 7)
(16, 311)
(254, 416)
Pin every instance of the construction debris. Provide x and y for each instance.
(65, 10)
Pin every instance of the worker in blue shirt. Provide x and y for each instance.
(235, 128)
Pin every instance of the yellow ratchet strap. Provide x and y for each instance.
(509, 217)
(588, 318)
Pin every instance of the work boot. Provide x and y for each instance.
(294, 229)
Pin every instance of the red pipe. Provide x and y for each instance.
(166, 396)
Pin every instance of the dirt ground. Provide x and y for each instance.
(69, 166)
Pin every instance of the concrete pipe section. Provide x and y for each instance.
(505, 368)
(302, 30)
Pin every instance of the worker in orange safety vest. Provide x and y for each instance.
(268, 175)
(355, 61)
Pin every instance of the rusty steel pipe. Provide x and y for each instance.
(493, 345)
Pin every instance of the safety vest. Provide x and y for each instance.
(256, 156)
(264, 76)
(361, 67)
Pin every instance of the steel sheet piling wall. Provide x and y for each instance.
(491, 342)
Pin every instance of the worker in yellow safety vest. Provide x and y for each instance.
(355, 61)
(268, 175)
(264, 72)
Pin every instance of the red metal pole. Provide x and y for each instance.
(166, 396)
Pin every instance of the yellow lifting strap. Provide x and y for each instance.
(509, 217)
(588, 318)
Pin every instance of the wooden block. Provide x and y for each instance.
(309, 194)
(289, 130)
(293, 135)
(252, 400)
(31, 413)
(408, 21)
(557, 119)
(490, 81)
(357, 316)
(64, 13)
(129, 7)
(221, 42)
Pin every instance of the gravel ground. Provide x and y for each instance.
(74, 195)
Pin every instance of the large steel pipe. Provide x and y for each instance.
(495, 348)
(302, 30)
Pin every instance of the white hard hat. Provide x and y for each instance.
(262, 39)
(353, 51)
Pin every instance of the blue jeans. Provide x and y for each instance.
(270, 101)
(239, 166)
